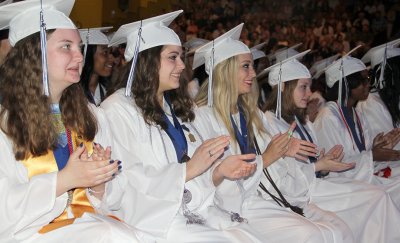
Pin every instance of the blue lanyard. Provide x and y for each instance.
(242, 136)
(359, 140)
(302, 131)
(175, 133)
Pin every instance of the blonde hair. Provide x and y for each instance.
(226, 97)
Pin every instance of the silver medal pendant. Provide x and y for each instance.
(187, 196)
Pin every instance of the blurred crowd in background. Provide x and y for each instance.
(326, 27)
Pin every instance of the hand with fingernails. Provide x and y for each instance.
(285, 144)
(205, 155)
(331, 161)
(277, 147)
(99, 153)
(382, 147)
(301, 149)
(391, 138)
(87, 172)
(234, 167)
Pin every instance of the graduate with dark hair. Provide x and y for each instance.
(53, 177)
(382, 108)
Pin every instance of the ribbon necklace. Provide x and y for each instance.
(302, 131)
(61, 152)
(242, 135)
(175, 133)
(351, 127)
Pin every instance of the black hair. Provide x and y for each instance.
(200, 74)
(353, 81)
(87, 72)
(390, 93)
(3, 34)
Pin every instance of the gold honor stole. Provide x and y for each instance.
(47, 164)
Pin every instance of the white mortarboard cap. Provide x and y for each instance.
(6, 2)
(28, 17)
(286, 70)
(95, 36)
(23, 18)
(192, 45)
(154, 32)
(379, 55)
(285, 52)
(256, 51)
(340, 69)
(142, 35)
(110, 36)
(225, 46)
(318, 67)
(376, 54)
(349, 64)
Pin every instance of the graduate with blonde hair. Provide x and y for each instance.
(227, 105)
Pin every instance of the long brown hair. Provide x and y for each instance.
(145, 87)
(226, 97)
(289, 109)
(25, 111)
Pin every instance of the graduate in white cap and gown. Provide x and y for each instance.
(53, 177)
(227, 106)
(166, 173)
(382, 108)
(276, 57)
(303, 183)
(340, 123)
(98, 64)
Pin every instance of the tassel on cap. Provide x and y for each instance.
(210, 79)
(278, 111)
(134, 60)
(43, 45)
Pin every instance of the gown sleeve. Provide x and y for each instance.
(229, 194)
(330, 131)
(292, 177)
(26, 204)
(152, 195)
(114, 190)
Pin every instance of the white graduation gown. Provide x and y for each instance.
(274, 223)
(378, 119)
(362, 206)
(26, 205)
(154, 181)
(330, 130)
